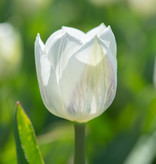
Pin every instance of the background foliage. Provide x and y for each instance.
(126, 132)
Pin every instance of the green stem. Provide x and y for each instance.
(79, 154)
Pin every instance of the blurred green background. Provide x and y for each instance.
(126, 132)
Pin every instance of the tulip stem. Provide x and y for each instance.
(79, 154)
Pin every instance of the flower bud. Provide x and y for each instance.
(77, 72)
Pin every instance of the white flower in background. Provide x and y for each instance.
(31, 7)
(10, 50)
(143, 7)
(104, 2)
(77, 72)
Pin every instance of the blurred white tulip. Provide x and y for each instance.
(77, 72)
(143, 7)
(104, 2)
(31, 7)
(10, 50)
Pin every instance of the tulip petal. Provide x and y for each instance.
(54, 36)
(75, 33)
(62, 48)
(106, 34)
(113, 58)
(96, 31)
(47, 81)
(91, 53)
(88, 88)
(53, 47)
(43, 60)
(69, 46)
(108, 37)
(45, 69)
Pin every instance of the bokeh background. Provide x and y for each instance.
(126, 132)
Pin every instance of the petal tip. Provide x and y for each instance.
(38, 42)
(103, 25)
(95, 37)
(109, 27)
(38, 35)
(63, 27)
(37, 38)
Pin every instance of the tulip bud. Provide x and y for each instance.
(77, 72)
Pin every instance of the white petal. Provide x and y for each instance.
(45, 69)
(53, 47)
(75, 33)
(54, 36)
(47, 81)
(52, 97)
(62, 48)
(108, 37)
(112, 57)
(106, 34)
(93, 105)
(42, 60)
(39, 45)
(92, 52)
(96, 31)
(88, 89)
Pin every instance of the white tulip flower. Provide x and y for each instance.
(10, 50)
(77, 72)
(143, 7)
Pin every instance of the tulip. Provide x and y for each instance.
(143, 7)
(77, 73)
(103, 2)
(33, 6)
(10, 51)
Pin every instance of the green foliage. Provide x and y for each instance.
(26, 145)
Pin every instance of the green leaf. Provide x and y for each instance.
(26, 145)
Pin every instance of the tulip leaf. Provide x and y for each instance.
(26, 145)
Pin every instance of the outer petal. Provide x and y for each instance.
(108, 37)
(113, 58)
(88, 88)
(53, 47)
(54, 36)
(106, 34)
(90, 53)
(47, 81)
(96, 31)
(61, 49)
